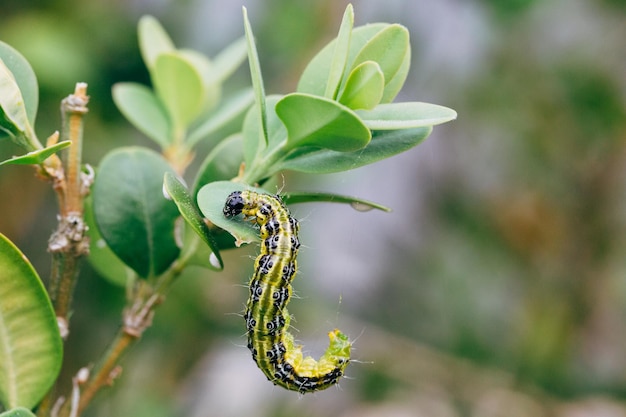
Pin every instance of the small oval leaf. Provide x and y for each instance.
(212, 86)
(317, 121)
(229, 59)
(134, 218)
(383, 145)
(405, 115)
(13, 116)
(389, 48)
(364, 88)
(153, 40)
(180, 88)
(231, 109)
(24, 77)
(31, 349)
(315, 76)
(144, 110)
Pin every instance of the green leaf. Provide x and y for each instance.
(364, 88)
(389, 48)
(256, 77)
(340, 54)
(37, 157)
(211, 199)
(277, 133)
(18, 412)
(192, 216)
(13, 116)
(144, 110)
(228, 111)
(315, 76)
(101, 257)
(229, 59)
(133, 216)
(309, 197)
(384, 144)
(393, 86)
(405, 115)
(317, 121)
(153, 40)
(204, 67)
(31, 349)
(24, 77)
(222, 163)
(180, 88)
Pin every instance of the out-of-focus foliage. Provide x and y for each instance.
(497, 287)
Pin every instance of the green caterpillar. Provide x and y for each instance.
(267, 319)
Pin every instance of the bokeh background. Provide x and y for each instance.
(496, 287)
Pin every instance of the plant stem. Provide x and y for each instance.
(107, 371)
(69, 242)
(137, 318)
(73, 109)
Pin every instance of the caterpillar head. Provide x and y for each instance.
(234, 204)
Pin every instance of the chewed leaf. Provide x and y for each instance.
(364, 88)
(406, 115)
(190, 213)
(37, 157)
(357, 203)
(320, 122)
(144, 110)
(211, 199)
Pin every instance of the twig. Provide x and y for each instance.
(69, 242)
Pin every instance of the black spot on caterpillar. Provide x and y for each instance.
(273, 348)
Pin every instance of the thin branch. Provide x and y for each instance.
(69, 242)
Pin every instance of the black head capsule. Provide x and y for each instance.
(234, 204)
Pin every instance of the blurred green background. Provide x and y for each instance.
(496, 287)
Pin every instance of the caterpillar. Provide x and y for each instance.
(273, 348)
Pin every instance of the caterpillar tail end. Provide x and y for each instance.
(339, 347)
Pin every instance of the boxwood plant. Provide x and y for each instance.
(125, 216)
